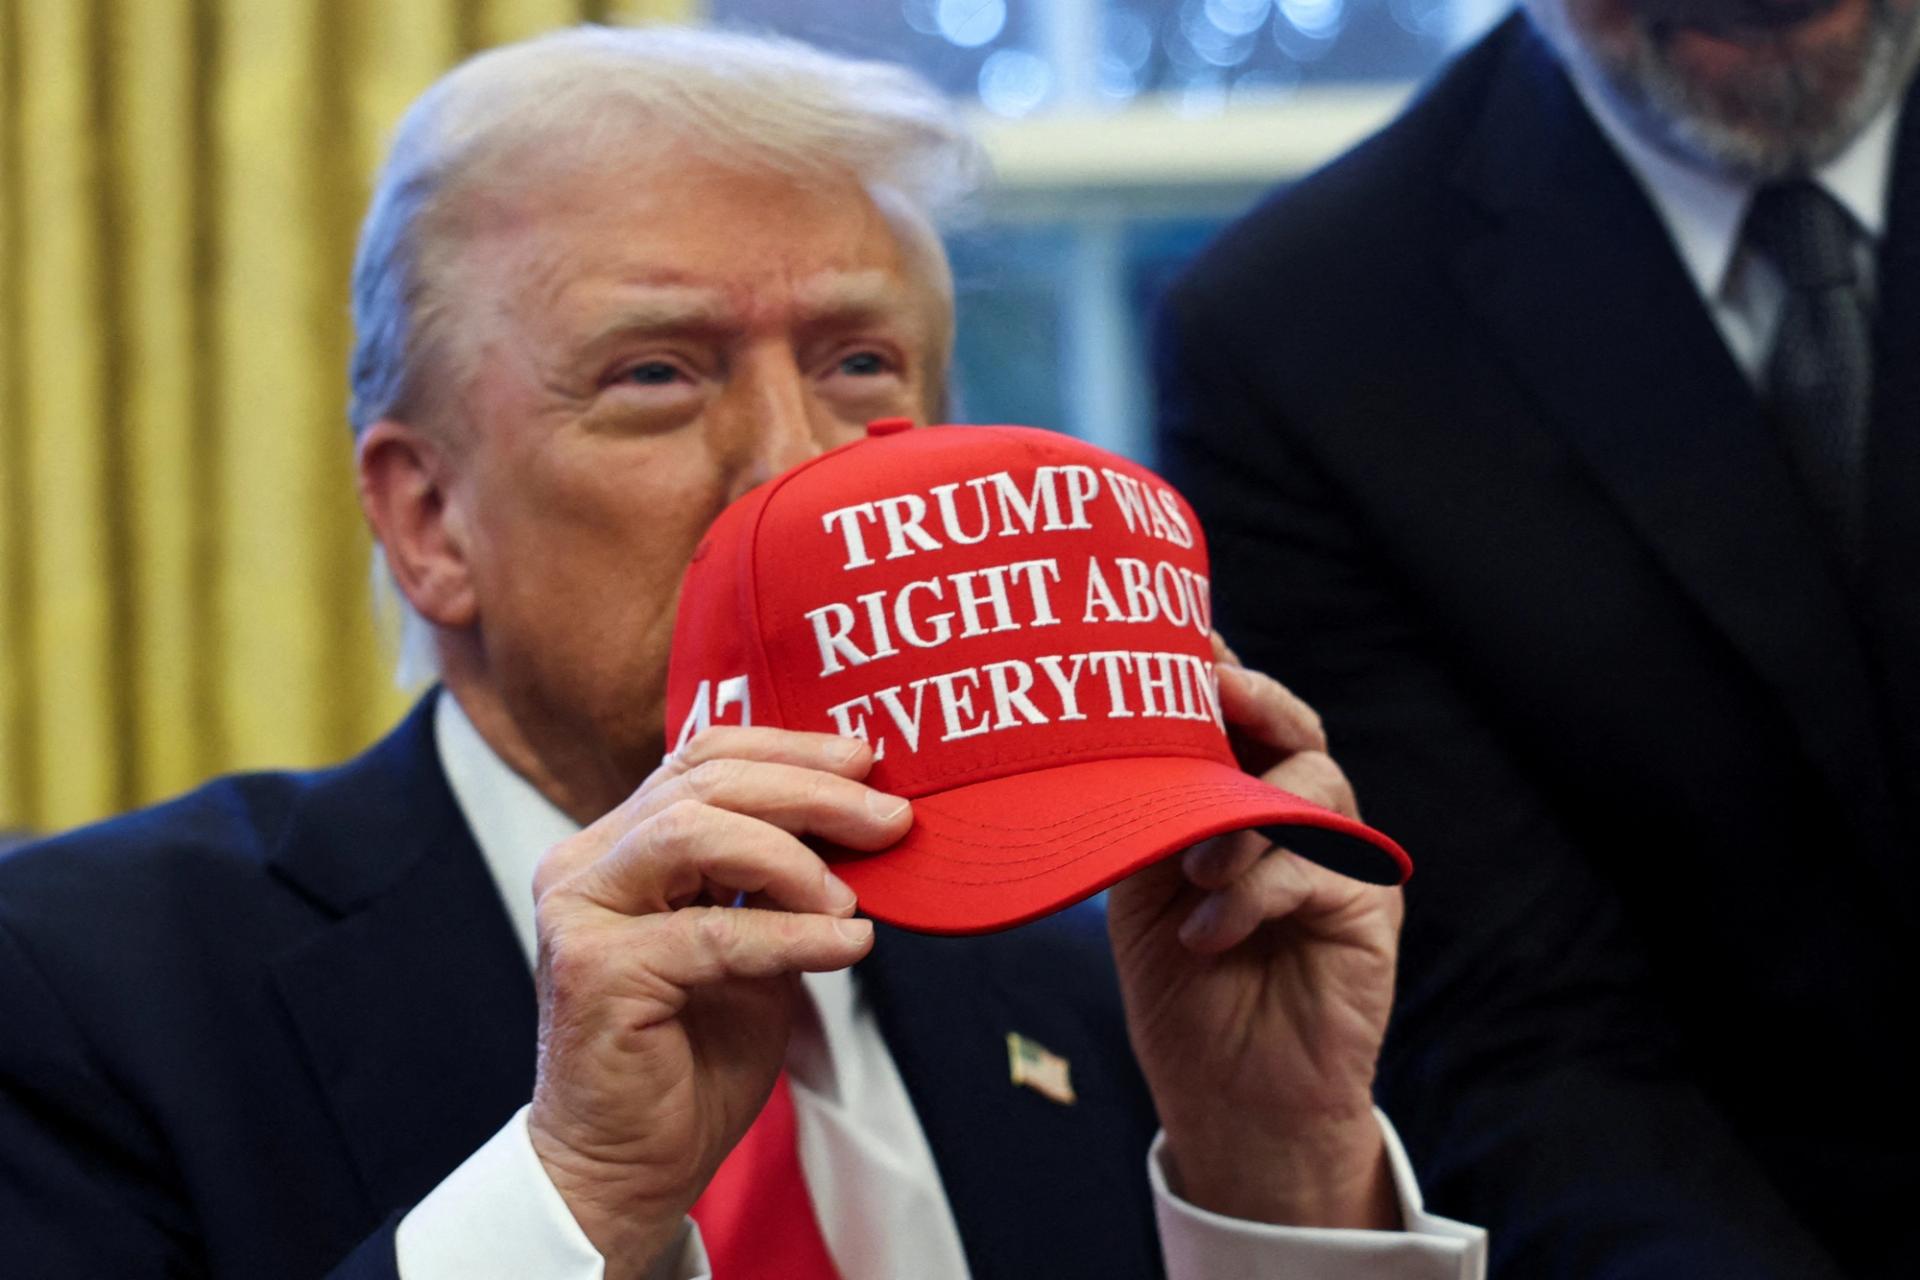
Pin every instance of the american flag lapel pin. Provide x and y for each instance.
(1038, 1068)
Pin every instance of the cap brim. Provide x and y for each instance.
(996, 854)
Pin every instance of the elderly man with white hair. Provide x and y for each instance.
(303, 1025)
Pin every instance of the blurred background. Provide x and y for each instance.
(183, 573)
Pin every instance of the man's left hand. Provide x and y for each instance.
(1257, 989)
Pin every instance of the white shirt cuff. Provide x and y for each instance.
(1200, 1245)
(499, 1217)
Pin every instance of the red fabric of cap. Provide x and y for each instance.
(1019, 623)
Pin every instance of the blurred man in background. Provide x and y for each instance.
(290, 1025)
(1562, 445)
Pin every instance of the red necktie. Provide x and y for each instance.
(756, 1216)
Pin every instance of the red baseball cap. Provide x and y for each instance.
(1019, 623)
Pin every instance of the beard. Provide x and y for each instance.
(1784, 113)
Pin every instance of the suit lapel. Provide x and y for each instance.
(1036, 1188)
(1575, 277)
(414, 1003)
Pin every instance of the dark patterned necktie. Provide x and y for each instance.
(1819, 376)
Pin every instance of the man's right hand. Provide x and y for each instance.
(664, 1015)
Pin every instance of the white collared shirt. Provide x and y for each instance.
(1704, 213)
(875, 1187)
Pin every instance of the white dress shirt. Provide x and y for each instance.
(1704, 213)
(875, 1187)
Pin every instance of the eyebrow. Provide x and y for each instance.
(678, 308)
(859, 293)
(662, 309)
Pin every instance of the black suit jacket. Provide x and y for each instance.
(240, 1034)
(1485, 486)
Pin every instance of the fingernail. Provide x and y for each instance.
(855, 931)
(885, 807)
(840, 895)
(1205, 918)
(848, 751)
(1202, 862)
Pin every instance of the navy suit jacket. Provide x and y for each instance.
(241, 1033)
(1485, 486)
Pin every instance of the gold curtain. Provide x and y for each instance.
(183, 570)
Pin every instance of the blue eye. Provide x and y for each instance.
(863, 364)
(654, 373)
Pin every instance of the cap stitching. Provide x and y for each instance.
(1146, 821)
(1077, 819)
(1168, 798)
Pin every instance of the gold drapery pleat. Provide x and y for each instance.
(183, 570)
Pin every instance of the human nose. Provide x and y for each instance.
(778, 428)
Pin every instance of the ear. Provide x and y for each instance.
(404, 479)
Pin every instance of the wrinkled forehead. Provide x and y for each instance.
(535, 225)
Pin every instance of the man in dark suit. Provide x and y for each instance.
(1559, 443)
(498, 998)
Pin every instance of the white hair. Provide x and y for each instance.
(758, 102)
